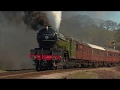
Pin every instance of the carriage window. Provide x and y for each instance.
(107, 54)
(80, 48)
(76, 47)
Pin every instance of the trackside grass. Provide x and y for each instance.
(83, 75)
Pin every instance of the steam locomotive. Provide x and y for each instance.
(57, 51)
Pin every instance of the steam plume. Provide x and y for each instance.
(54, 18)
(16, 40)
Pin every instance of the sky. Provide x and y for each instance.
(105, 15)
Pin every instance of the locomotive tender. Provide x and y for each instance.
(57, 51)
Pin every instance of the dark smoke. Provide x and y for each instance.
(16, 40)
(36, 19)
(39, 19)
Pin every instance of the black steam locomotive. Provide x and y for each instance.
(47, 55)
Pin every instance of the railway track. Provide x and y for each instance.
(14, 74)
(25, 74)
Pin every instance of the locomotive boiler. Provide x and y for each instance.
(46, 38)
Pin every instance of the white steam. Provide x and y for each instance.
(54, 18)
(16, 40)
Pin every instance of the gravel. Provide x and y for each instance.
(103, 73)
(55, 75)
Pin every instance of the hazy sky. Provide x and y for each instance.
(105, 15)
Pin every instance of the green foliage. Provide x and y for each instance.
(86, 30)
(98, 37)
(117, 39)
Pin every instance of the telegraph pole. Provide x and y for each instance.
(113, 43)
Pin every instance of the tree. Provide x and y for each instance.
(117, 39)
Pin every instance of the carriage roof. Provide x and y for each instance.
(112, 50)
(96, 46)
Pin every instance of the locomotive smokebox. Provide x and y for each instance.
(46, 37)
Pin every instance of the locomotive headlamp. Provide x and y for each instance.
(34, 57)
(60, 57)
(44, 60)
(53, 58)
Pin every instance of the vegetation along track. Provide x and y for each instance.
(25, 74)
